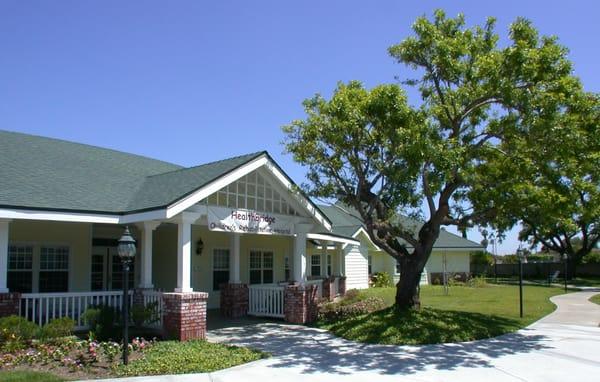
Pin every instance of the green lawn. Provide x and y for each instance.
(464, 314)
(27, 376)
(595, 299)
(173, 357)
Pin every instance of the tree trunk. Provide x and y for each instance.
(407, 289)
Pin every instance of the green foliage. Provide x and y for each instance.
(382, 280)
(16, 328)
(592, 257)
(477, 282)
(334, 311)
(595, 299)
(101, 319)
(510, 259)
(144, 314)
(482, 258)
(58, 327)
(173, 357)
(28, 376)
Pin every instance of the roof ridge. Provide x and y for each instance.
(89, 145)
(253, 155)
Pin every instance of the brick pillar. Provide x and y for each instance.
(328, 288)
(300, 303)
(342, 285)
(9, 304)
(184, 315)
(234, 300)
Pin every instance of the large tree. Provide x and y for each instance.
(373, 152)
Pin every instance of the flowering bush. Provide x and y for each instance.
(338, 310)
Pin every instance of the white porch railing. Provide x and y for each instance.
(152, 297)
(266, 300)
(319, 284)
(43, 307)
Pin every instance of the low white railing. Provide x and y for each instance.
(266, 300)
(43, 307)
(154, 298)
(319, 284)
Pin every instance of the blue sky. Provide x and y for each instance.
(194, 81)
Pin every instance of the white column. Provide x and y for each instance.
(323, 258)
(300, 252)
(147, 228)
(340, 254)
(234, 265)
(184, 252)
(3, 255)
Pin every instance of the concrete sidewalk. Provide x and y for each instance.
(563, 346)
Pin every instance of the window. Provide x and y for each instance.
(117, 273)
(54, 269)
(220, 267)
(370, 259)
(287, 268)
(261, 267)
(315, 265)
(20, 260)
(329, 265)
(397, 267)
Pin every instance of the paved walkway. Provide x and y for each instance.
(563, 346)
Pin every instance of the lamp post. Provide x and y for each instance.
(566, 258)
(520, 255)
(126, 250)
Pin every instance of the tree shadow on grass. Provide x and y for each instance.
(314, 350)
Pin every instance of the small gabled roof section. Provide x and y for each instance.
(162, 190)
(347, 222)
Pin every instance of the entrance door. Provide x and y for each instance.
(107, 269)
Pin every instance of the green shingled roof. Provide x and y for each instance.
(346, 222)
(51, 174)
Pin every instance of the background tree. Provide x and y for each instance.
(371, 151)
(548, 178)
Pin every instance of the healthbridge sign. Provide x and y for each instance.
(247, 221)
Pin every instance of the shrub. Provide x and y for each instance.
(382, 280)
(15, 328)
(59, 327)
(141, 314)
(351, 296)
(337, 311)
(478, 282)
(101, 320)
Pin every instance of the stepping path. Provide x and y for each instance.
(563, 346)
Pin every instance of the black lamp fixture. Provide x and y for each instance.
(521, 257)
(199, 247)
(126, 251)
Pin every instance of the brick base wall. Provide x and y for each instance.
(342, 286)
(9, 304)
(234, 300)
(300, 303)
(184, 315)
(329, 288)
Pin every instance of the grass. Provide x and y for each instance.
(595, 299)
(464, 314)
(28, 376)
(173, 357)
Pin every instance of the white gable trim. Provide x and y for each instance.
(214, 186)
(58, 216)
(333, 238)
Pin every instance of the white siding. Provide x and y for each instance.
(356, 265)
